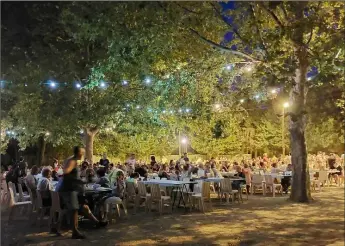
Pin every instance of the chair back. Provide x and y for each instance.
(21, 194)
(39, 202)
(155, 192)
(4, 185)
(269, 179)
(164, 179)
(323, 176)
(130, 189)
(13, 186)
(55, 201)
(142, 189)
(206, 191)
(225, 185)
(12, 198)
(257, 179)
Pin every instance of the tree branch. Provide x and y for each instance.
(273, 15)
(311, 35)
(258, 30)
(188, 10)
(223, 48)
(231, 26)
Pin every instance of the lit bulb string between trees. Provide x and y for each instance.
(103, 85)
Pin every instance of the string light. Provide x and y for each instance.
(47, 133)
(147, 81)
(137, 107)
(273, 91)
(242, 101)
(217, 106)
(102, 84)
(125, 82)
(188, 110)
(257, 96)
(52, 84)
(249, 68)
(164, 111)
(78, 86)
(180, 110)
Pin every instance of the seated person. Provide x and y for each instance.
(163, 172)
(134, 179)
(141, 170)
(44, 186)
(119, 185)
(31, 180)
(55, 176)
(89, 176)
(84, 167)
(102, 179)
(286, 180)
(275, 169)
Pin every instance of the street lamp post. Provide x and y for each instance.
(285, 105)
(184, 141)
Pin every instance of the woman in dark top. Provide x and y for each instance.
(69, 188)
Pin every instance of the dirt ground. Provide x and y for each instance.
(258, 221)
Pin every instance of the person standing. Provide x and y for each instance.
(69, 188)
(131, 164)
(104, 161)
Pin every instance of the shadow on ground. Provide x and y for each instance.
(258, 221)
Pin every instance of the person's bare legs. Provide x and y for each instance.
(89, 214)
(75, 232)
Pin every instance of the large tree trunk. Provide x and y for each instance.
(89, 136)
(300, 183)
(41, 150)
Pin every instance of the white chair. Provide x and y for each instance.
(131, 195)
(204, 195)
(227, 191)
(113, 203)
(56, 208)
(269, 183)
(14, 205)
(142, 194)
(14, 189)
(156, 196)
(258, 181)
(41, 210)
(22, 196)
(323, 178)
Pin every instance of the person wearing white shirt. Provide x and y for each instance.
(131, 163)
(44, 186)
(31, 180)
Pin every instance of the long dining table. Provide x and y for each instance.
(178, 186)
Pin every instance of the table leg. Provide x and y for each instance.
(172, 191)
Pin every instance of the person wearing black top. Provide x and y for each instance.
(104, 162)
(141, 170)
(69, 188)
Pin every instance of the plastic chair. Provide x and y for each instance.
(270, 183)
(13, 205)
(56, 208)
(22, 197)
(204, 195)
(258, 181)
(156, 196)
(131, 195)
(226, 189)
(41, 210)
(142, 194)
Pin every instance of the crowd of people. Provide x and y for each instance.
(75, 173)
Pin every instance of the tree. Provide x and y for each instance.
(312, 29)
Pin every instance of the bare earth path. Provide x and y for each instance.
(259, 221)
